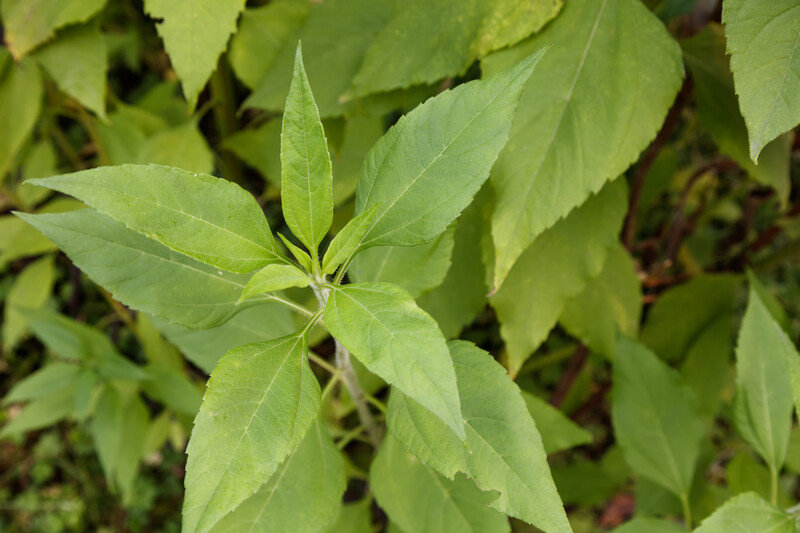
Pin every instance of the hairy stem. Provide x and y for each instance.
(357, 394)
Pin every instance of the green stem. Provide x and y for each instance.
(687, 511)
(773, 472)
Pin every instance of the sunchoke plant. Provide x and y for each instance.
(421, 266)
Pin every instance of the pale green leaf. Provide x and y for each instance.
(21, 92)
(42, 412)
(558, 432)
(306, 176)
(610, 303)
(417, 268)
(182, 146)
(345, 243)
(419, 499)
(302, 496)
(273, 278)
(380, 324)
(747, 513)
(611, 64)
(428, 167)
(208, 218)
(44, 381)
(764, 45)
(31, 289)
(260, 402)
(655, 418)
(29, 23)
(763, 405)
(195, 39)
(77, 60)
(554, 269)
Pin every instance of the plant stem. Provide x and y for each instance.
(687, 511)
(773, 496)
(357, 394)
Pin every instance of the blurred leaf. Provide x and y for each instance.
(31, 289)
(353, 518)
(558, 432)
(48, 379)
(746, 474)
(20, 102)
(172, 388)
(182, 146)
(42, 412)
(707, 365)
(649, 525)
(747, 512)
(260, 148)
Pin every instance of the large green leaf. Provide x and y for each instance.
(302, 496)
(142, 273)
(554, 269)
(208, 218)
(504, 451)
(418, 498)
(427, 168)
(764, 45)
(718, 110)
(383, 327)
(764, 402)
(655, 418)
(260, 401)
(31, 289)
(29, 23)
(306, 176)
(20, 102)
(748, 513)
(78, 62)
(195, 39)
(611, 64)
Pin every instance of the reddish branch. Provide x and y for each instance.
(570, 374)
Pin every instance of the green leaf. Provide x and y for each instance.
(171, 387)
(655, 419)
(611, 64)
(273, 278)
(380, 324)
(306, 176)
(707, 365)
(556, 268)
(505, 452)
(302, 496)
(31, 289)
(182, 146)
(558, 432)
(682, 313)
(745, 473)
(42, 412)
(718, 110)
(610, 303)
(44, 381)
(142, 273)
(302, 257)
(259, 147)
(208, 218)
(762, 410)
(415, 268)
(77, 60)
(260, 402)
(441, 39)
(747, 512)
(194, 40)
(21, 92)
(29, 23)
(345, 243)
(650, 525)
(353, 518)
(419, 499)
(428, 167)
(360, 133)
(763, 42)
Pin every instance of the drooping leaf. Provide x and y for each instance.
(419, 499)
(763, 42)
(306, 175)
(20, 102)
(260, 402)
(504, 450)
(555, 269)
(182, 146)
(77, 60)
(273, 278)
(558, 432)
(208, 218)
(380, 324)
(31, 289)
(345, 242)
(428, 167)
(29, 23)
(655, 418)
(747, 512)
(194, 41)
(763, 404)
(611, 64)
(303, 495)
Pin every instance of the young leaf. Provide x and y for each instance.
(302, 257)
(763, 404)
(655, 419)
(748, 512)
(505, 452)
(306, 176)
(207, 218)
(383, 327)
(302, 496)
(763, 42)
(260, 401)
(195, 40)
(274, 278)
(21, 91)
(611, 64)
(419, 499)
(31, 289)
(428, 167)
(345, 242)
